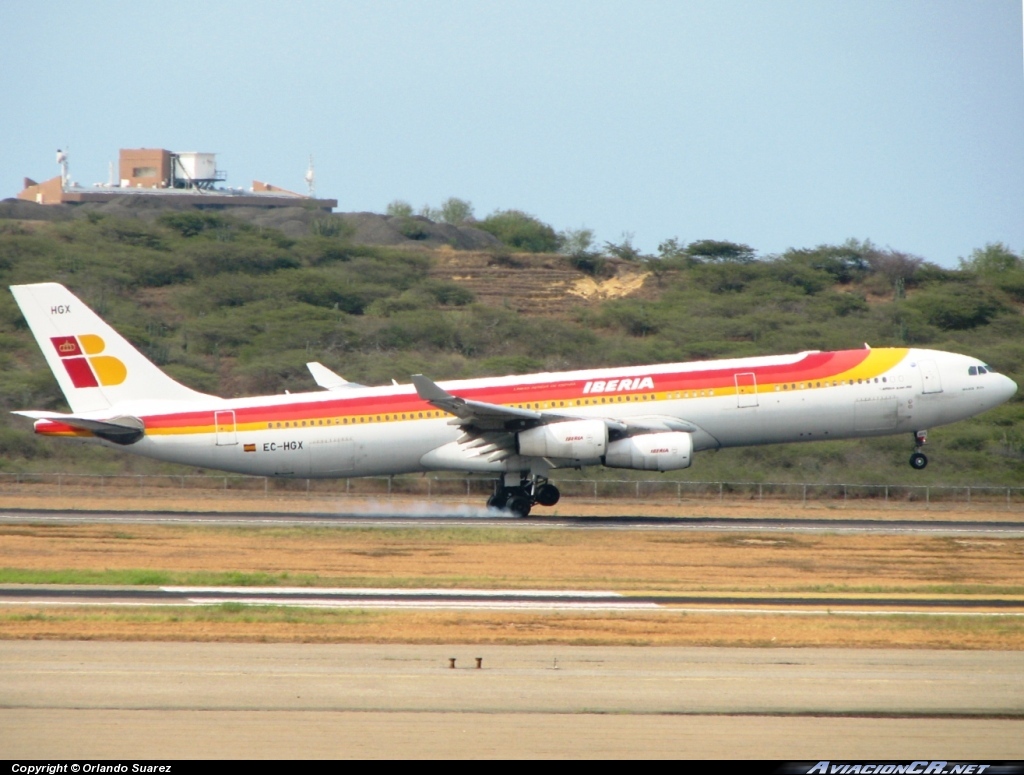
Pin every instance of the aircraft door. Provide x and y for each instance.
(930, 381)
(746, 389)
(227, 433)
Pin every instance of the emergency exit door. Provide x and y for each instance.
(746, 389)
(224, 422)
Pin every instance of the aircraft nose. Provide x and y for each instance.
(1007, 388)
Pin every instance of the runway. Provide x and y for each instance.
(392, 701)
(507, 600)
(371, 700)
(467, 517)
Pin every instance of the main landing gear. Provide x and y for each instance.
(519, 499)
(919, 460)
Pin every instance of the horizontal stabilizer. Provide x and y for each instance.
(119, 430)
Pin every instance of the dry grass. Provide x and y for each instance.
(270, 625)
(625, 561)
(656, 562)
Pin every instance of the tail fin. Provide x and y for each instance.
(95, 366)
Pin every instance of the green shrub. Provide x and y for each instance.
(191, 224)
(521, 231)
(331, 226)
(956, 309)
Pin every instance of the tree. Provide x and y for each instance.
(430, 213)
(718, 251)
(521, 231)
(399, 208)
(576, 242)
(896, 267)
(624, 249)
(671, 248)
(456, 211)
(845, 263)
(993, 259)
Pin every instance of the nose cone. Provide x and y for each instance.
(1006, 389)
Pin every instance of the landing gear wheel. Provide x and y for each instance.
(918, 460)
(547, 495)
(519, 506)
(499, 500)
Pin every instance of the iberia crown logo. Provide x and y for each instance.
(84, 363)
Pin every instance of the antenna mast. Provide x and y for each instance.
(311, 178)
(62, 160)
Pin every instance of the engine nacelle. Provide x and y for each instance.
(651, 452)
(575, 439)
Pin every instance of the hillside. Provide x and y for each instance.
(234, 307)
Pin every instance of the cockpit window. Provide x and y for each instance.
(989, 369)
(973, 371)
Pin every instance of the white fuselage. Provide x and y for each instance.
(389, 430)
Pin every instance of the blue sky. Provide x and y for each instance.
(779, 124)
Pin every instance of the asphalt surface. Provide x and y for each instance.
(458, 518)
(93, 699)
(491, 599)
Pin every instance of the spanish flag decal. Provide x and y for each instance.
(250, 447)
(84, 363)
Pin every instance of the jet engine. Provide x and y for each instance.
(576, 439)
(651, 452)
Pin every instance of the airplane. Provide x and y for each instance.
(516, 428)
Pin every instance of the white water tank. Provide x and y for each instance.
(192, 165)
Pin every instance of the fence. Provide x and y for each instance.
(873, 495)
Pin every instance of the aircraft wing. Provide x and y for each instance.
(489, 429)
(493, 417)
(481, 415)
(120, 430)
(656, 423)
(328, 379)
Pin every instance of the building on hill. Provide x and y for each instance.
(187, 177)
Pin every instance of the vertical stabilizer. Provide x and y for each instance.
(95, 366)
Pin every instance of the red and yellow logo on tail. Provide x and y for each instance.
(84, 364)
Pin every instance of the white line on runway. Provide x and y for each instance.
(389, 592)
(441, 605)
(583, 606)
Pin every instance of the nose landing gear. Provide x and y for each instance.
(519, 499)
(919, 460)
